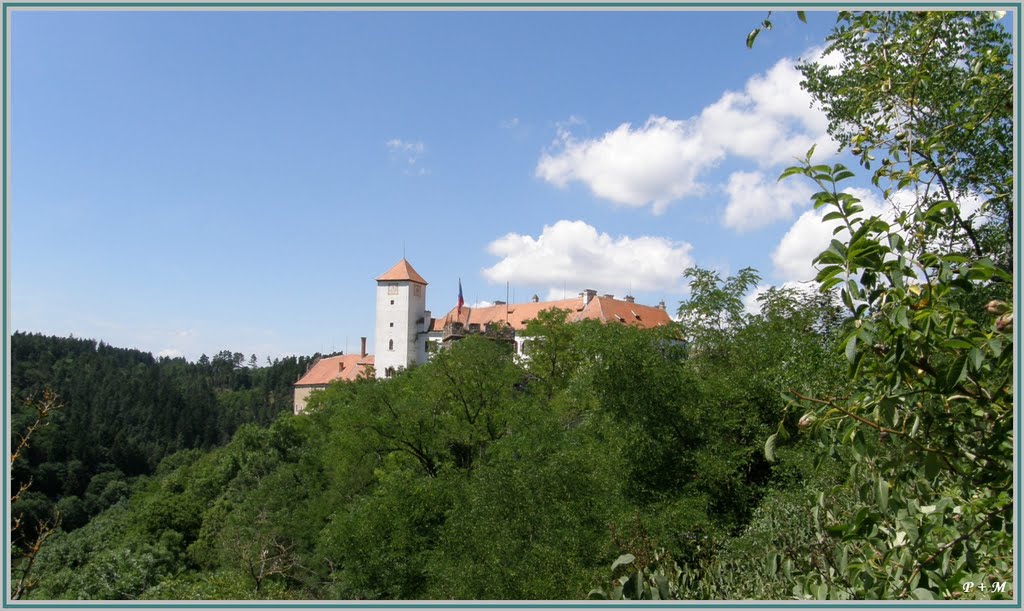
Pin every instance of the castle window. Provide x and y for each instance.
(391, 344)
(416, 290)
(389, 372)
(391, 324)
(392, 302)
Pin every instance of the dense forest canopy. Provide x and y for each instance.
(121, 412)
(848, 442)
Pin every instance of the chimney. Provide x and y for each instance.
(661, 304)
(588, 294)
(536, 298)
(608, 296)
(362, 348)
(497, 303)
(341, 366)
(630, 299)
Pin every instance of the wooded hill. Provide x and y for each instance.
(122, 411)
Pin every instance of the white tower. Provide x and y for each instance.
(402, 320)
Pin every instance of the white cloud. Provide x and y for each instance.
(755, 201)
(654, 164)
(402, 146)
(171, 353)
(410, 151)
(575, 255)
(483, 303)
(770, 122)
(750, 303)
(509, 123)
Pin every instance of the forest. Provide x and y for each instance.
(850, 440)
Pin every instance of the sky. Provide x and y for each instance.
(190, 182)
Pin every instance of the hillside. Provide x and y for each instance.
(121, 412)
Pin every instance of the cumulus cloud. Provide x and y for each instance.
(770, 122)
(576, 255)
(654, 164)
(755, 201)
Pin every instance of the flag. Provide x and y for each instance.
(461, 301)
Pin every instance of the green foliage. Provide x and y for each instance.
(926, 98)
(377, 547)
(715, 306)
(124, 411)
(534, 518)
(929, 416)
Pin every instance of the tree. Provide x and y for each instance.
(27, 541)
(715, 305)
(923, 424)
(927, 98)
(928, 419)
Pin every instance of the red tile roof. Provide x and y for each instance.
(345, 367)
(402, 271)
(605, 309)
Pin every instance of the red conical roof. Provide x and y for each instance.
(402, 271)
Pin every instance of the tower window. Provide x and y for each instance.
(392, 302)
(391, 344)
(391, 324)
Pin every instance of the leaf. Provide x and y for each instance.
(662, 582)
(801, 16)
(923, 594)
(791, 171)
(822, 592)
(955, 374)
(977, 358)
(752, 36)
(769, 447)
(623, 560)
(883, 495)
(932, 466)
(851, 347)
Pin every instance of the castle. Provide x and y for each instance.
(406, 333)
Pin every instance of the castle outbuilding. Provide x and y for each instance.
(406, 334)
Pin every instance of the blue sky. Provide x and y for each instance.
(187, 182)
